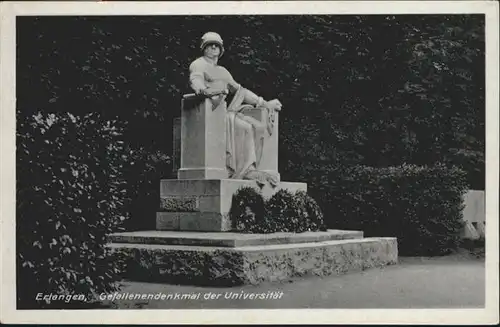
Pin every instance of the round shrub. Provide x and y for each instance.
(284, 212)
(247, 210)
(313, 216)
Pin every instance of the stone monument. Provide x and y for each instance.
(223, 147)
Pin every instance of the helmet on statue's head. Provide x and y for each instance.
(210, 38)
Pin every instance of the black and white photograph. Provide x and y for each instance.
(199, 159)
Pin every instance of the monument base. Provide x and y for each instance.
(204, 204)
(225, 259)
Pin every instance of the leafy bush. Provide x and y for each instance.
(283, 212)
(473, 162)
(311, 211)
(71, 193)
(247, 210)
(421, 206)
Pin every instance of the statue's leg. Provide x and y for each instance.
(244, 147)
(259, 129)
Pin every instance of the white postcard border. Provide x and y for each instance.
(9, 314)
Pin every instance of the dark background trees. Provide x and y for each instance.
(373, 90)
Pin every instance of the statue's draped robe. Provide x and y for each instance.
(245, 135)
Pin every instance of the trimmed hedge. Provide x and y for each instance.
(71, 193)
(421, 206)
(283, 212)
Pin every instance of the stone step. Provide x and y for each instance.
(229, 239)
(226, 266)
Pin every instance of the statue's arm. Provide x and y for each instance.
(254, 99)
(259, 102)
(249, 96)
(197, 77)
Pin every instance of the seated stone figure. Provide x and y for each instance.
(245, 135)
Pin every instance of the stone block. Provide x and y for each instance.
(222, 266)
(470, 232)
(192, 221)
(184, 187)
(204, 221)
(230, 239)
(176, 146)
(210, 198)
(474, 215)
(203, 165)
(198, 203)
(203, 145)
(179, 203)
(474, 210)
(480, 228)
(168, 220)
(210, 203)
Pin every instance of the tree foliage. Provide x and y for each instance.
(376, 90)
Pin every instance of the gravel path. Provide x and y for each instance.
(444, 282)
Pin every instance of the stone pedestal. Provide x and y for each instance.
(227, 259)
(204, 204)
(203, 135)
(202, 159)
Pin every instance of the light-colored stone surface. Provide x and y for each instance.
(254, 264)
(168, 221)
(210, 198)
(277, 263)
(470, 232)
(480, 228)
(230, 239)
(474, 206)
(176, 146)
(192, 221)
(203, 146)
(201, 173)
(185, 187)
(269, 160)
(474, 215)
(220, 187)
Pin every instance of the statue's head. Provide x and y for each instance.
(210, 41)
